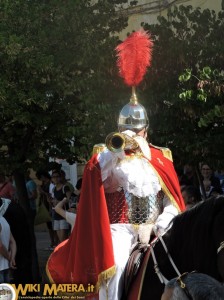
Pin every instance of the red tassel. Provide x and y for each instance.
(134, 56)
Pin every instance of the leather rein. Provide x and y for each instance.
(161, 277)
(221, 247)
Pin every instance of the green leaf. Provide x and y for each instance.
(201, 97)
(183, 96)
(186, 76)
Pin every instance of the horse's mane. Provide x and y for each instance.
(192, 232)
(200, 215)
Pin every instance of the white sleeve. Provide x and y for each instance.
(169, 212)
(107, 161)
(51, 189)
(70, 218)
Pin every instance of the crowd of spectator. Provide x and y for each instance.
(61, 199)
(199, 183)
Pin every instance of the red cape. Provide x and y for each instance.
(163, 165)
(87, 257)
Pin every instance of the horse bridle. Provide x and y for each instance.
(162, 278)
(179, 279)
(221, 247)
(183, 285)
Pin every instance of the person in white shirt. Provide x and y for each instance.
(69, 215)
(7, 244)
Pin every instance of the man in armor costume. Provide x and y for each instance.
(129, 189)
(139, 198)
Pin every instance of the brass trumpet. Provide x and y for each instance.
(116, 142)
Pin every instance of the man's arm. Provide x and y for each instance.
(3, 251)
(169, 212)
(12, 251)
(108, 161)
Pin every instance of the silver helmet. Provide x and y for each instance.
(133, 116)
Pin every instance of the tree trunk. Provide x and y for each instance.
(24, 202)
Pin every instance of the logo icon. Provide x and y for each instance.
(7, 292)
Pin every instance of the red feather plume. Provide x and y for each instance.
(134, 56)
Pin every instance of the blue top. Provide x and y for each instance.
(31, 187)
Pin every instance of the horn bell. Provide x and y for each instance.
(117, 142)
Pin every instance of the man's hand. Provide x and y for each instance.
(12, 264)
(65, 200)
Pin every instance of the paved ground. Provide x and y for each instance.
(42, 242)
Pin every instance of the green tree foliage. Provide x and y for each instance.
(183, 90)
(57, 63)
(206, 88)
(208, 85)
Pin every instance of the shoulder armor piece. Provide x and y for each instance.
(166, 151)
(98, 148)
